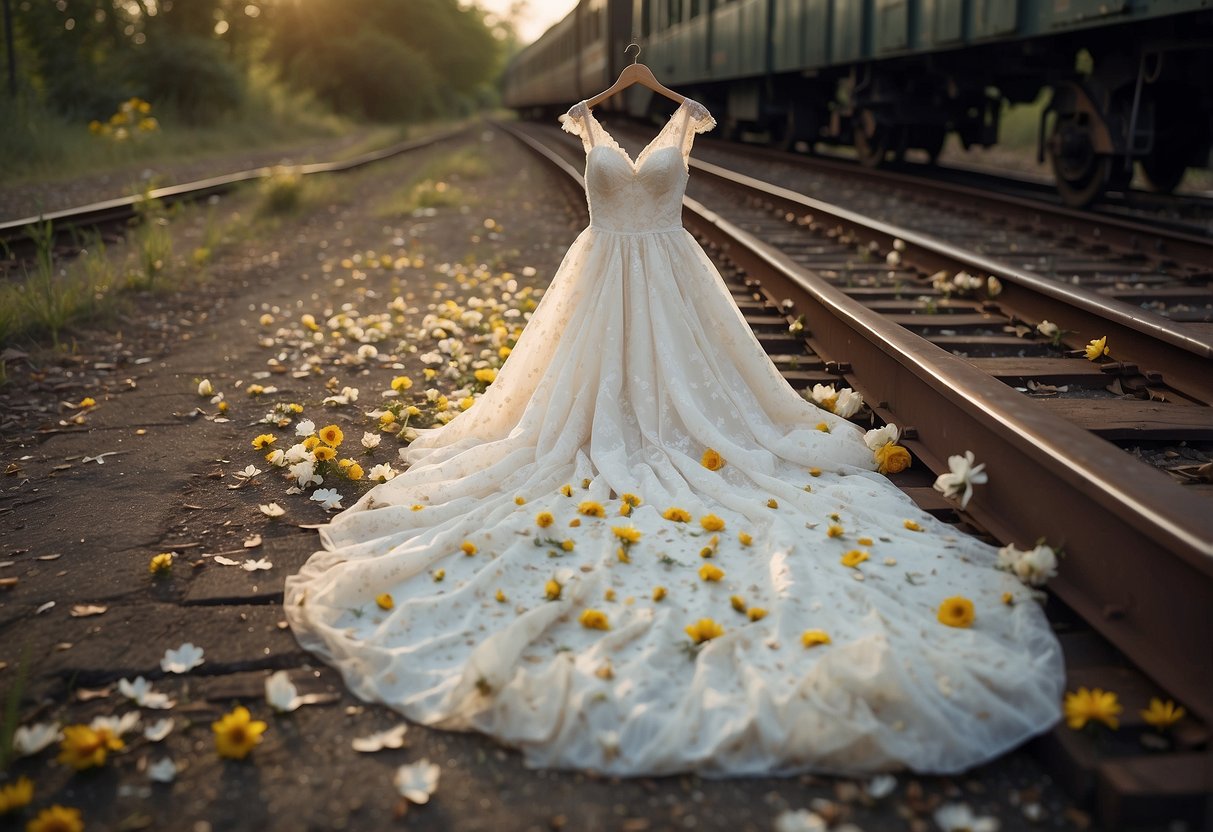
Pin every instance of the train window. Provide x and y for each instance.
(698, 7)
(646, 9)
(675, 8)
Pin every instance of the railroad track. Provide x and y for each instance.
(112, 217)
(1133, 602)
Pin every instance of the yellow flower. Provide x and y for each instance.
(823, 427)
(711, 460)
(237, 733)
(161, 563)
(466, 402)
(1008, 598)
(744, 539)
(711, 523)
(912, 525)
(544, 519)
(331, 435)
(625, 509)
(703, 630)
(585, 483)
(429, 373)
(1095, 705)
(630, 499)
(417, 507)
(323, 453)
(892, 459)
(439, 575)
(609, 595)
(853, 558)
(488, 375)
(756, 613)
(623, 555)
(551, 590)
(16, 795)
(575, 522)
(594, 620)
(814, 472)
(738, 602)
(834, 530)
(566, 490)
(590, 509)
(385, 601)
(1096, 348)
(659, 593)
(254, 389)
(266, 319)
(500, 596)
(311, 442)
(309, 321)
(678, 515)
(354, 472)
(864, 541)
(88, 401)
(812, 638)
(82, 747)
(1162, 714)
(520, 501)
(629, 534)
(468, 548)
(387, 417)
(956, 612)
(56, 819)
(504, 353)
(772, 503)
(263, 440)
(567, 545)
(711, 572)
(401, 383)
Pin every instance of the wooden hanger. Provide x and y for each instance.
(635, 73)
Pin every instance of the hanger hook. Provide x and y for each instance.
(636, 57)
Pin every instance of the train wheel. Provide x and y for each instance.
(873, 140)
(1082, 174)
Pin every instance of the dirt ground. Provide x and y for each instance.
(92, 493)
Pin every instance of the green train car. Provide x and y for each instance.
(1131, 81)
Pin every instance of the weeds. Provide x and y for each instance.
(281, 193)
(47, 302)
(153, 242)
(9, 719)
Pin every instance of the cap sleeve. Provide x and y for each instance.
(574, 121)
(698, 120)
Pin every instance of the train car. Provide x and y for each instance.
(1129, 79)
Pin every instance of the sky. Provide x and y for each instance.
(539, 16)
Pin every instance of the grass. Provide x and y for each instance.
(434, 186)
(38, 145)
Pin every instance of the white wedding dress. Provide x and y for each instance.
(635, 362)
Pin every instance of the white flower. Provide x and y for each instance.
(893, 258)
(1035, 566)
(940, 282)
(391, 738)
(957, 817)
(280, 693)
(370, 440)
(297, 453)
(962, 477)
(1048, 329)
(966, 282)
(1008, 556)
(116, 725)
(205, 388)
(432, 394)
(609, 740)
(899, 244)
(432, 358)
(163, 771)
(347, 395)
(271, 509)
(993, 286)
(182, 660)
(305, 427)
(381, 472)
(418, 781)
(140, 692)
(408, 435)
(367, 351)
(824, 395)
(249, 472)
(802, 820)
(877, 438)
(796, 326)
(305, 473)
(882, 785)
(277, 458)
(157, 731)
(848, 403)
(251, 565)
(329, 498)
(30, 739)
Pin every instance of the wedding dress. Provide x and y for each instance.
(634, 364)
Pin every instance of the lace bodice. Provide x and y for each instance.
(645, 195)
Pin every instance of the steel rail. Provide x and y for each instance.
(1138, 547)
(1138, 236)
(124, 207)
(1183, 358)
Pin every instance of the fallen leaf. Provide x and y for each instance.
(63, 646)
(44, 608)
(100, 458)
(55, 556)
(7, 583)
(222, 561)
(88, 610)
(89, 694)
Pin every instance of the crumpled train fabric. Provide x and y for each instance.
(635, 361)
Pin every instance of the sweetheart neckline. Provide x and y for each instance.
(644, 152)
